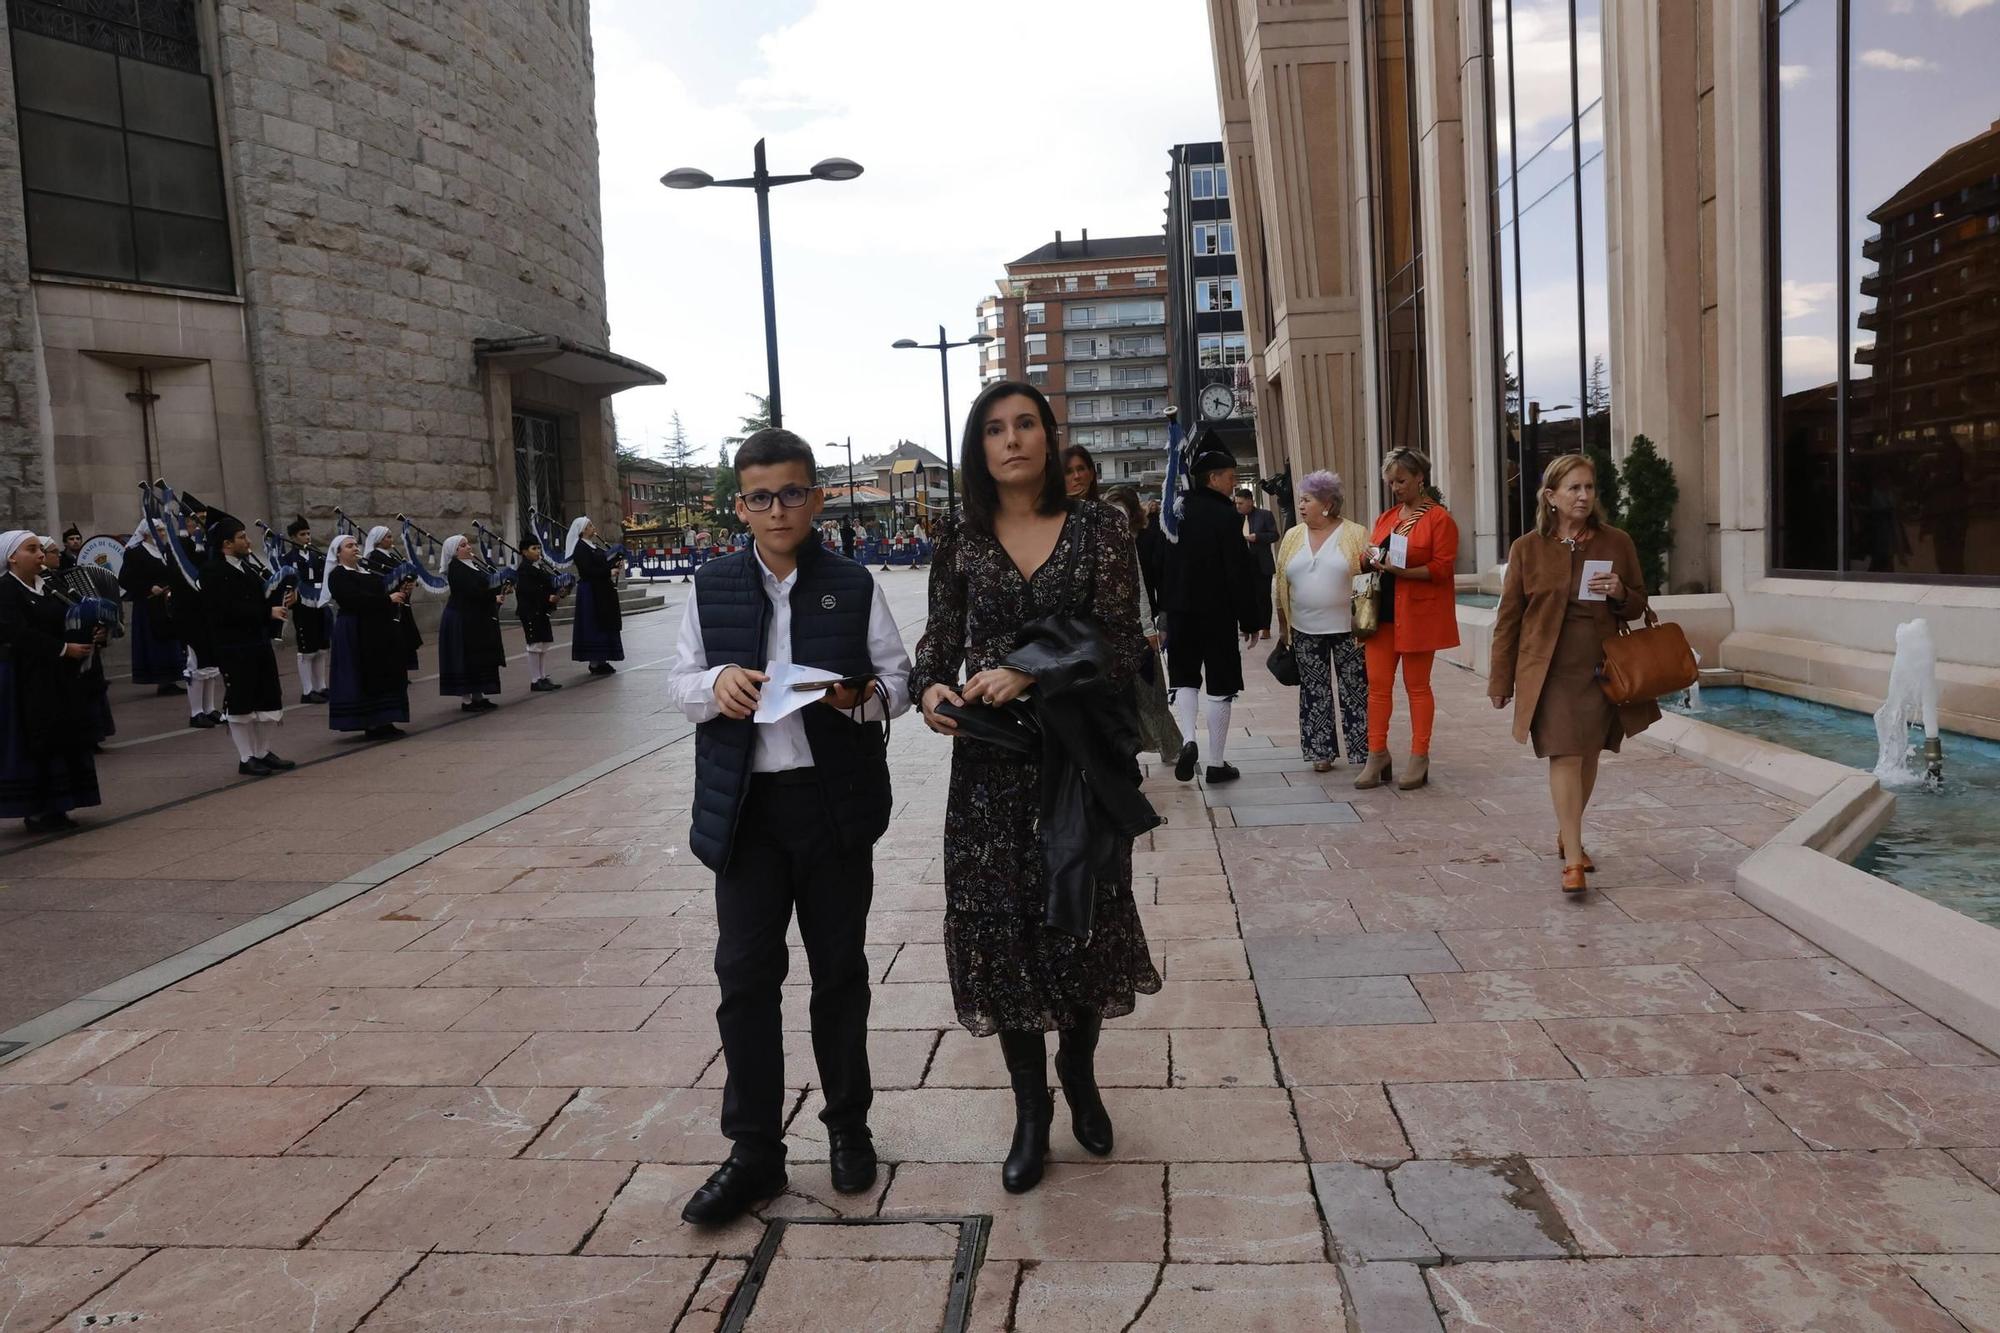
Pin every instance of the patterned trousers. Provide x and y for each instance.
(1330, 664)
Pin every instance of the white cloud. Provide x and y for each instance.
(1791, 76)
(1958, 9)
(1808, 360)
(1797, 299)
(1877, 57)
(977, 145)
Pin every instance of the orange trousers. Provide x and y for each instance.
(1382, 660)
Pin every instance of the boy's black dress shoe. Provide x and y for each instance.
(277, 765)
(851, 1158)
(254, 768)
(1184, 762)
(728, 1194)
(1222, 773)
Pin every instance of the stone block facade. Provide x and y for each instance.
(23, 479)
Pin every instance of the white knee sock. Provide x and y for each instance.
(536, 659)
(1185, 701)
(197, 696)
(245, 736)
(217, 692)
(305, 673)
(1218, 727)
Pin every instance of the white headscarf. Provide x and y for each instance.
(333, 558)
(452, 545)
(375, 536)
(575, 536)
(148, 536)
(11, 542)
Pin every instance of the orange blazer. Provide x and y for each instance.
(1426, 612)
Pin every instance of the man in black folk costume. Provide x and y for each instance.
(204, 676)
(243, 622)
(787, 812)
(535, 599)
(1210, 599)
(311, 625)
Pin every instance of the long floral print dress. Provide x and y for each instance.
(1008, 971)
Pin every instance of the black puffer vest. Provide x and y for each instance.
(831, 602)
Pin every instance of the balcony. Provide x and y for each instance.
(1158, 353)
(1076, 319)
(1115, 415)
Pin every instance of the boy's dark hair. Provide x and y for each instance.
(980, 493)
(297, 525)
(771, 446)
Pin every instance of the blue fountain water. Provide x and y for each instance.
(1943, 843)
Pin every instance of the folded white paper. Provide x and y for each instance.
(1591, 569)
(1399, 550)
(776, 699)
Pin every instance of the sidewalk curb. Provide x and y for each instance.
(110, 998)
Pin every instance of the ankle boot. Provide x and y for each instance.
(1027, 1056)
(1376, 772)
(1076, 1069)
(1417, 774)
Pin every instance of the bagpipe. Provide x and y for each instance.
(91, 602)
(162, 508)
(548, 535)
(498, 577)
(298, 565)
(492, 546)
(405, 573)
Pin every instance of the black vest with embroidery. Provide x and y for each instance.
(830, 603)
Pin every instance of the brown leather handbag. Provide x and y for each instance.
(1642, 665)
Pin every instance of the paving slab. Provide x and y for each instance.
(1363, 1222)
(494, 1207)
(1377, 954)
(247, 1202)
(1243, 1213)
(1474, 1210)
(1849, 1294)
(200, 1291)
(1587, 1117)
(1724, 1043)
(39, 1286)
(38, 1193)
(1938, 1107)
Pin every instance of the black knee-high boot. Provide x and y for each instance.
(1027, 1056)
(1076, 1067)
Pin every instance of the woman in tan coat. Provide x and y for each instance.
(1559, 605)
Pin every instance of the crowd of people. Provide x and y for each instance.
(205, 617)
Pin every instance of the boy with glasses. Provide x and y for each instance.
(787, 812)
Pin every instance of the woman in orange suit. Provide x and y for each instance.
(1414, 545)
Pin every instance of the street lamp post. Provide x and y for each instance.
(763, 182)
(942, 346)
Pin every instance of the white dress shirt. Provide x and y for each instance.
(1322, 586)
(782, 745)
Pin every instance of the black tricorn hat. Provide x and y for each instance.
(1210, 454)
(300, 523)
(530, 538)
(221, 527)
(190, 505)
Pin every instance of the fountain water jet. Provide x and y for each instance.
(1912, 698)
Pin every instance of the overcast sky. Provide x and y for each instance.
(983, 131)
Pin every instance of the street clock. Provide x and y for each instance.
(1218, 402)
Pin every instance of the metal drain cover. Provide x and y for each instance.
(945, 1250)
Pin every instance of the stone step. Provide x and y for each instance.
(633, 601)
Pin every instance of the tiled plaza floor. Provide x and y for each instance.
(1394, 1082)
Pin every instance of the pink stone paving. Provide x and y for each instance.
(1395, 1080)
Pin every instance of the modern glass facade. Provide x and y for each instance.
(1552, 302)
(1885, 294)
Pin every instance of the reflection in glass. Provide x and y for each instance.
(1399, 318)
(1554, 340)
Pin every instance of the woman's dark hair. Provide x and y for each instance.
(1070, 454)
(981, 492)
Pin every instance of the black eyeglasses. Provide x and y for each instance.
(791, 497)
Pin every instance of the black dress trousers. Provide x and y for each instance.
(786, 856)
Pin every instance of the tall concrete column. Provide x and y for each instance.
(1447, 229)
(1482, 316)
(1299, 72)
(1653, 237)
(1743, 383)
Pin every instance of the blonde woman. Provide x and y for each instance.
(1316, 564)
(1570, 584)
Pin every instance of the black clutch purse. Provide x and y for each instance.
(1013, 726)
(1284, 665)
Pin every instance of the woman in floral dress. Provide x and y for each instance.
(1007, 561)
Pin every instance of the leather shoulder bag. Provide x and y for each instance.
(1642, 665)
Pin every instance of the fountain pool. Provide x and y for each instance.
(1943, 842)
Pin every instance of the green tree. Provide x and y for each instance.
(1597, 439)
(725, 489)
(1651, 494)
(756, 421)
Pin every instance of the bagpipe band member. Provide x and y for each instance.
(87, 619)
(72, 547)
(1210, 597)
(243, 621)
(204, 677)
(380, 554)
(368, 687)
(310, 624)
(46, 769)
(535, 599)
(159, 658)
(470, 651)
(787, 812)
(597, 634)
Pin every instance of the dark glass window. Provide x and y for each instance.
(1399, 300)
(1549, 242)
(1885, 289)
(120, 162)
